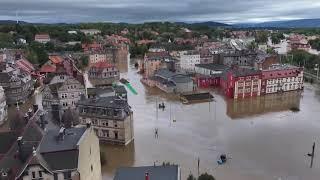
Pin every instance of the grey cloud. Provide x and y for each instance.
(164, 10)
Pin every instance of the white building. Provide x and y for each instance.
(72, 32)
(3, 107)
(188, 60)
(42, 38)
(90, 31)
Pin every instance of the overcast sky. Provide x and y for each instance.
(136, 11)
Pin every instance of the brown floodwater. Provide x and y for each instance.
(262, 136)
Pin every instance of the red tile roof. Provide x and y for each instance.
(42, 36)
(47, 69)
(102, 65)
(56, 59)
(25, 65)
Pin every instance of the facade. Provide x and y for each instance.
(96, 57)
(42, 38)
(282, 78)
(297, 41)
(111, 117)
(3, 107)
(154, 61)
(241, 83)
(166, 172)
(171, 82)
(90, 31)
(61, 93)
(17, 84)
(239, 58)
(65, 154)
(209, 75)
(206, 57)
(103, 73)
(264, 61)
(189, 59)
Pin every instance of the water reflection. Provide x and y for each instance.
(264, 104)
(117, 156)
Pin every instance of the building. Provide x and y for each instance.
(93, 47)
(297, 41)
(188, 60)
(3, 107)
(264, 61)
(90, 32)
(171, 82)
(111, 117)
(153, 61)
(42, 38)
(17, 145)
(209, 75)
(17, 84)
(239, 58)
(97, 57)
(281, 78)
(206, 57)
(61, 93)
(241, 82)
(72, 32)
(166, 172)
(103, 73)
(65, 154)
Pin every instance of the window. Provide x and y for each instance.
(115, 123)
(40, 174)
(67, 175)
(116, 135)
(105, 133)
(33, 175)
(91, 168)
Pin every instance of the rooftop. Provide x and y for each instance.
(170, 172)
(214, 67)
(106, 102)
(51, 142)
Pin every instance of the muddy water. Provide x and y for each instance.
(263, 137)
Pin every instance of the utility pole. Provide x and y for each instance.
(312, 154)
(317, 69)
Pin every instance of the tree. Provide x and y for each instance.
(276, 38)
(84, 61)
(190, 177)
(261, 37)
(315, 44)
(206, 176)
(70, 118)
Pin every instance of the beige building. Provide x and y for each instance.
(61, 93)
(65, 154)
(3, 107)
(111, 117)
(97, 57)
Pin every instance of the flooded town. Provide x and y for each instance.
(118, 105)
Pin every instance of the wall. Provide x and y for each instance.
(89, 156)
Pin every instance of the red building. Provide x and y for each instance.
(241, 83)
(208, 81)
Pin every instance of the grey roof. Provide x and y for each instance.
(106, 102)
(99, 90)
(244, 72)
(62, 160)
(212, 66)
(120, 89)
(171, 76)
(6, 141)
(155, 173)
(50, 142)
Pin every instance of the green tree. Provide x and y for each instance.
(84, 61)
(206, 176)
(276, 37)
(315, 44)
(261, 37)
(191, 177)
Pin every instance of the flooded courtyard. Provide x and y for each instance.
(263, 136)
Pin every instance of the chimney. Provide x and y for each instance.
(62, 133)
(26, 118)
(30, 114)
(146, 176)
(35, 108)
